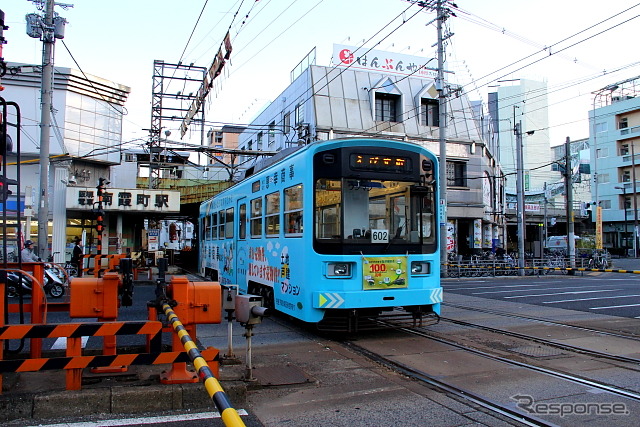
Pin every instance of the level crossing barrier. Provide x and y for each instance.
(229, 415)
(74, 362)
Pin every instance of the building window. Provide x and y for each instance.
(605, 204)
(429, 112)
(626, 176)
(387, 107)
(259, 141)
(299, 113)
(623, 123)
(272, 133)
(602, 127)
(627, 203)
(287, 122)
(624, 150)
(602, 152)
(456, 174)
(603, 178)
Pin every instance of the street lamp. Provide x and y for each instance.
(624, 197)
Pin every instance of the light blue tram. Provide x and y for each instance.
(340, 233)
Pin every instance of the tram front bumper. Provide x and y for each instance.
(376, 298)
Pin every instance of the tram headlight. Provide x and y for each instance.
(340, 269)
(420, 268)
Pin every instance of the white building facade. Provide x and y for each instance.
(372, 99)
(615, 154)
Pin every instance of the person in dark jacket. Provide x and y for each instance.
(76, 257)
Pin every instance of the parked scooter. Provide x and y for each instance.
(17, 283)
(54, 283)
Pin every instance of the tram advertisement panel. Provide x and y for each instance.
(384, 273)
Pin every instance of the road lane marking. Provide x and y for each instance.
(516, 290)
(588, 299)
(564, 293)
(614, 306)
(146, 420)
(61, 343)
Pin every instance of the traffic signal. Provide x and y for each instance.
(4, 188)
(99, 220)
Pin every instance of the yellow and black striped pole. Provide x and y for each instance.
(229, 415)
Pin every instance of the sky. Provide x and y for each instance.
(576, 46)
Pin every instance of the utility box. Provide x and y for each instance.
(198, 302)
(229, 293)
(91, 297)
(249, 309)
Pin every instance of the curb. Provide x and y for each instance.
(113, 400)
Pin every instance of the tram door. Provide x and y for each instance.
(240, 245)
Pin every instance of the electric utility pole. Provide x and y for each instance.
(441, 87)
(568, 179)
(46, 98)
(520, 196)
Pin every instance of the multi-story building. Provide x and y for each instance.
(85, 143)
(387, 95)
(615, 149)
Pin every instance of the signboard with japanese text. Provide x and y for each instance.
(386, 62)
(124, 200)
(384, 273)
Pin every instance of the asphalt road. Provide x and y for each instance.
(615, 294)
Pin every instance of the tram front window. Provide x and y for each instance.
(366, 212)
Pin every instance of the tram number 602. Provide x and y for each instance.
(379, 236)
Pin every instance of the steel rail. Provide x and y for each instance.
(467, 395)
(546, 342)
(537, 319)
(572, 378)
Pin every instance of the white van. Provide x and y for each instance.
(558, 242)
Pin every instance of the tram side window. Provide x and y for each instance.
(214, 226)
(221, 222)
(242, 230)
(206, 227)
(228, 226)
(272, 217)
(293, 209)
(256, 217)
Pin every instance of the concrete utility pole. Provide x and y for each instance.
(442, 132)
(46, 95)
(568, 179)
(520, 197)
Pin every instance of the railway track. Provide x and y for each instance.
(619, 334)
(490, 406)
(503, 408)
(550, 343)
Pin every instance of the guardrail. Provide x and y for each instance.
(540, 266)
(74, 362)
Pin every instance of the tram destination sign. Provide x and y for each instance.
(380, 163)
